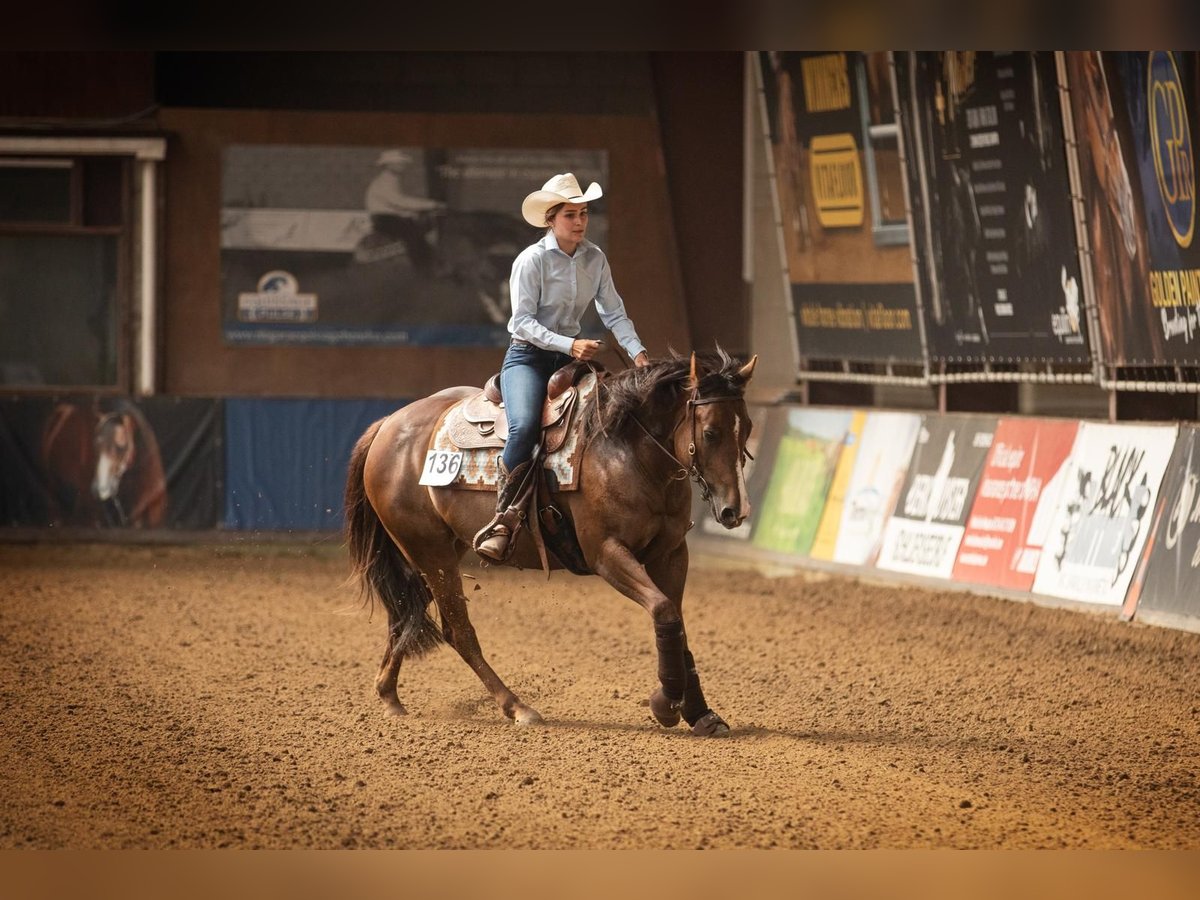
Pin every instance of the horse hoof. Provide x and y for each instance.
(527, 716)
(394, 707)
(710, 725)
(665, 710)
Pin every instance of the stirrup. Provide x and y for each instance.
(490, 532)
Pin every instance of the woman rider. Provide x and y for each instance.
(551, 284)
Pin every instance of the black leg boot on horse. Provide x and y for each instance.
(495, 540)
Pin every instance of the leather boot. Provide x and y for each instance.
(494, 540)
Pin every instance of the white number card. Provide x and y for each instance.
(441, 467)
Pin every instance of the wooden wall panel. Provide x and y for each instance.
(700, 110)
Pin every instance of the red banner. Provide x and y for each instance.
(1014, 505)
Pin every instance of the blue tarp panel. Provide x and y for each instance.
(285, 460)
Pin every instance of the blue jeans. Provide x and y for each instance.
(523, 378)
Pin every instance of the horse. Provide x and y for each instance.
(644, 432)
(102, 467)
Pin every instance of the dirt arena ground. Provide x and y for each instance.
(222, 696)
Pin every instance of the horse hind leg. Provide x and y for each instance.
(460, 634)
(389, 673)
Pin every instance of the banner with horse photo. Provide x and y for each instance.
(1170, 580)
(85, 462)
(998, 267)
(1104, 512)
(1010, 518)
(927, 525)
(381, 245)
(1135, 118)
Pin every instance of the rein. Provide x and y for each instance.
(692, 471)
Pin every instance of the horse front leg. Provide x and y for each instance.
(670, 574)
(661, 594)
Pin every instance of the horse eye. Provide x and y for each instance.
(711, 434)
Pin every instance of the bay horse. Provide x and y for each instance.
(645, 431)
(102, 467)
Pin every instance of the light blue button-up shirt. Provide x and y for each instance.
(550, 292)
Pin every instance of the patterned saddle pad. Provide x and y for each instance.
(477, 428)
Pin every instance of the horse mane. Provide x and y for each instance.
(657, 387)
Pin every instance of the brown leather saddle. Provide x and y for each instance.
(479, 421)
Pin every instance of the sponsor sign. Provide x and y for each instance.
(989, 190)
(925, 529)
(1171, 582)
(857, 321)
(836, 180)
(880, 457)
(852, 296)
(277, 299)
(835, 502)
(808, 450)
(1104, 511)
(1015, 503)
(1135, 117)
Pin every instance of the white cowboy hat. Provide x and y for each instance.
(393, 158)
(559, 189)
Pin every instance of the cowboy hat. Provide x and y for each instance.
(393, 158)
(559, 189)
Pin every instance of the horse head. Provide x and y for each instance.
(717, 428)
(114, 441)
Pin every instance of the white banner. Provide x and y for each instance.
(879, 467)
(1104, 512)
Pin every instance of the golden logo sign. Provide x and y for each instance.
(826, 82)
(1171, 139)
(837, 184)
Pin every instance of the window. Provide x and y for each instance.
(885, 182)
(64, 270)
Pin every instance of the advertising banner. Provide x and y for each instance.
(1104, 511)
(927, 524)
(990, 197)
(809, 445)
(1171, 582)
(1135, 117)
(825, 539)
(868, 322)
(762, 445)
(1014, 506)
(109, 462)
(877, 458)
(381, 245)
(852, 296)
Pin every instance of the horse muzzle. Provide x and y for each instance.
(730, 517)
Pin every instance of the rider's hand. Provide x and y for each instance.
(585, 350)
(641, 359)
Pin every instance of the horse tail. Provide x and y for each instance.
(380, 568)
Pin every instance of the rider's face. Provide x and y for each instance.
(569, 225)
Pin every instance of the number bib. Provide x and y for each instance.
(441, 467)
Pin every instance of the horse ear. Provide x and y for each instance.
(746, 372)
(693, 381)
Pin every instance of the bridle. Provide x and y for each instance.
(693, 470)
